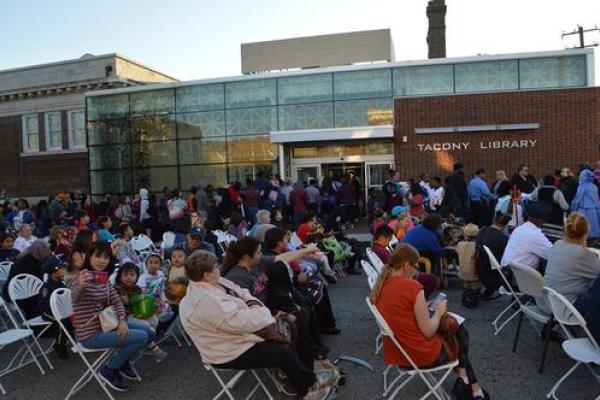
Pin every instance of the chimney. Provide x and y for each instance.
(436, 36)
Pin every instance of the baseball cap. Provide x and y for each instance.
(197, 232)
(53, 264)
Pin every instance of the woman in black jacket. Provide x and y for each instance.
(29, 262)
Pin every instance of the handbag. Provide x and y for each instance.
(109, 321)
(279, 332)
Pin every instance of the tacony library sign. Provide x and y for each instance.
(483, 145)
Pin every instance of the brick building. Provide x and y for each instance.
(545, 128)
(42, 120)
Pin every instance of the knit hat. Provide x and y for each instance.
(53, 264)
(397, 210)
(470, 230)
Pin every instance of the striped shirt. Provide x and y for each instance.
(90, 301)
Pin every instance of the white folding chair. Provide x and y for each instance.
(62, 308)
(25, 286)
(228, 385)
(168, 240)
(15, 335)
(370, 272)
(531, 283)
(583, 350)
(405, 375)
(142, 243)
(495, 265)
(374, 259)
(174, 331)
(5, 267)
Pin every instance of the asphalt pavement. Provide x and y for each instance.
(505, 375)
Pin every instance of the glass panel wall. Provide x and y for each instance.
(305, 89)
(250, 93)
(219, 131)
(362, 84)
(424, 79)
(364, 112)
(489, 75)
(306, 116)
(200, 98)
(552, 72)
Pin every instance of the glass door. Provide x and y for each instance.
(377, 174)
(305, 173)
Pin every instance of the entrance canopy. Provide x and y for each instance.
(318, 135)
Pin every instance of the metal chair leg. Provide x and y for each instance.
(547, 330)
(514, 349)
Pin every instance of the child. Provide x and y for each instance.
(177, 268)
(466, 252)
(7, 252)
(153, 282)
(55, 268)
(125, 285)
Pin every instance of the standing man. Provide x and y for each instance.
(58, 208)
(458, 183)
(479, 198)
(523, 180)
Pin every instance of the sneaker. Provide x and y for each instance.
(317, 393)
(113, 380)
(158, 354)
(283, 384)
(485, 396)
(128, 372)
(461, 390)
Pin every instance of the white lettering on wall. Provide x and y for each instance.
(483, 145)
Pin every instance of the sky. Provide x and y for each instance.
(196, 39)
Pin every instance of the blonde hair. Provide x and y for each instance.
(577, 226)
(404, 253)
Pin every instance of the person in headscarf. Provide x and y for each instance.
(586, 201)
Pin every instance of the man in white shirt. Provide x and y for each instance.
(527, 244)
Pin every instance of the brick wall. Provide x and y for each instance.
(568, 133)
(41, 174)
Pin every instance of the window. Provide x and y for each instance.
(53, 131)
(423, 79)
(362, 84)
(77, 129)
(31, 138)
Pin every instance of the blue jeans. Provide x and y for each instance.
(128, 346)
(143, 326)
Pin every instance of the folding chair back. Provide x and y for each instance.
(24, 286)
(374, 259)
(529, 280)
(142, 243)
(370, 272)
(168, 240)
(567, 315)
(62, 308)
(5, 267)
(496, 266)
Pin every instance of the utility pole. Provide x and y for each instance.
(581, 32)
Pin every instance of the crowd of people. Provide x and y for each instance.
(250, 268)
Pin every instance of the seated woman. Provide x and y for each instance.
(25, 238)
(307, 291)
(29, 262)
(245, 265)
(571, 266)
(222, 319)
(381, 247)
(104, 227)
(401, 301)
(91, 294)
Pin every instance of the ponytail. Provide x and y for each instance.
(404, 253)
(246, 246)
